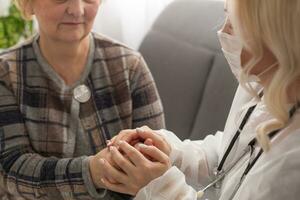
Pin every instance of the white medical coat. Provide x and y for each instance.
(275, 176)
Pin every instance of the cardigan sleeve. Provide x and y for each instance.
(147, 106)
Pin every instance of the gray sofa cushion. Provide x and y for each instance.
(192, 76)
(216, 100)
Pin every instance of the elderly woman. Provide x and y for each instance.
(63, 93)
(257, 155)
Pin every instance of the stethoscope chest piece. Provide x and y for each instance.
(218, 176)
(82, 93)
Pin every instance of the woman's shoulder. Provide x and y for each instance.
(285, 147)
(112, 46)
(11, 59)
(10, 54)
(274, 171)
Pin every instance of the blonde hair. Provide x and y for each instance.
(273, 24)
(23, 6)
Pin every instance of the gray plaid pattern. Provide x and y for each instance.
(35, 150)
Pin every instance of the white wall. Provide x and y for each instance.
(128, 20)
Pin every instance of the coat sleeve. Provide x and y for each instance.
(196, 159)
(25, 173)
(171, 185)
(193, 163)
(146, 102)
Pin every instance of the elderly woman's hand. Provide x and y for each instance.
(137, 170)
(96, 168)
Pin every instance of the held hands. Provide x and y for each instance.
(142, 135)
(136, 170)
(134, 158)
(96, 166)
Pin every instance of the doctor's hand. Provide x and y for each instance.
(130, 136)
(137, 171)
(142, 135)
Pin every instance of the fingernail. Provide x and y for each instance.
(102, 161)
(112, 148)
(141, 145)
(120, 142)
(108, 142)
(140, 130)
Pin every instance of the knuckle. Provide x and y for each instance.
(122, 145)
(122, 162)
(150, 149)
(146, 166)
(160, 141)
(104, 168)
(130, 154)
(123, 132)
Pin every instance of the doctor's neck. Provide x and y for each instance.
(293, 92)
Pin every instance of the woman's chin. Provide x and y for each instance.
(73, 37)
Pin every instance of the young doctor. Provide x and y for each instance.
(258, 154)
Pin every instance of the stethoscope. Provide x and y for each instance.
(220, 173)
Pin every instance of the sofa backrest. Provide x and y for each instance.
(191, 73)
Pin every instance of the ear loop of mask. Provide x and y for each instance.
(232, 48)
(256, 78)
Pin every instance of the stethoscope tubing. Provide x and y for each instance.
(220, 173)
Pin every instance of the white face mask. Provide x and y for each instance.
(232, 48)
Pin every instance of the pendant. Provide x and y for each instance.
(82, 93)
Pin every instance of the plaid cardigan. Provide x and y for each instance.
(35, 116)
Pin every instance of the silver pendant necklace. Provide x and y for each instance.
(82, 93)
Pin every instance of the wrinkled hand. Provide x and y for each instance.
(96, 167)
(142, 135)
(130, 136)
(136, 170)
